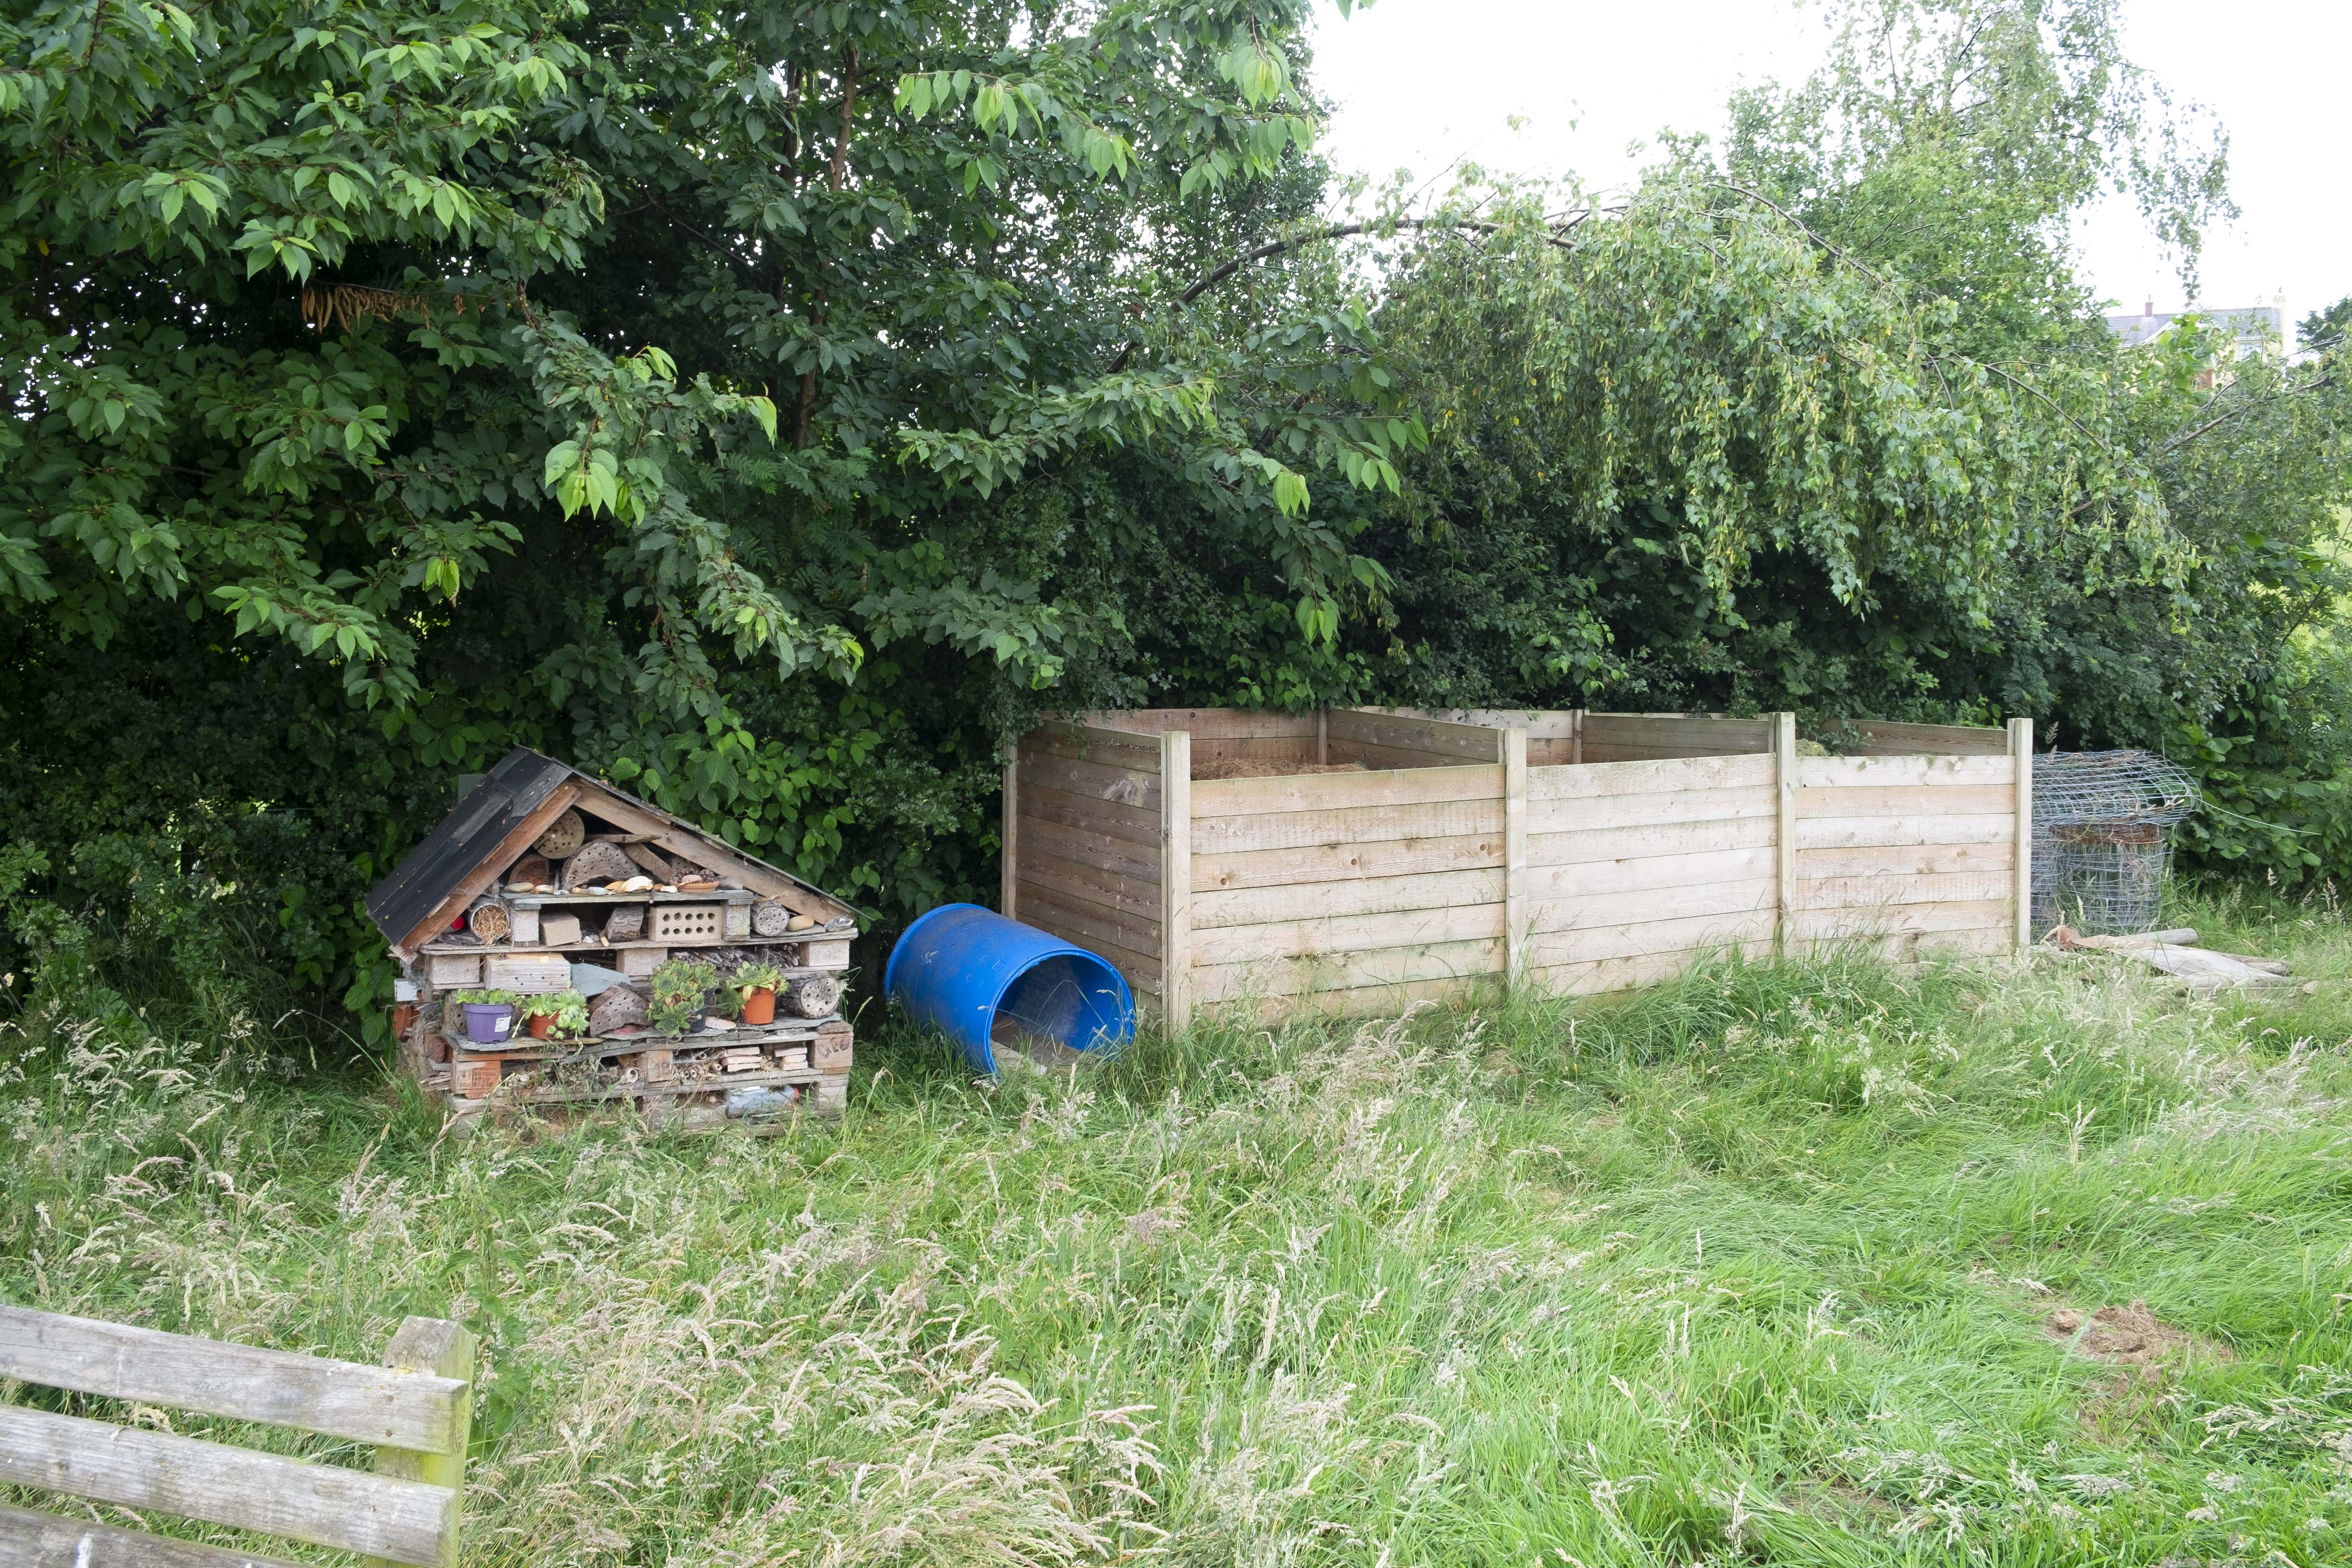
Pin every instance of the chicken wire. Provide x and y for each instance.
(2102, 839)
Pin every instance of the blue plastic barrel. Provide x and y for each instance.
(975, 973)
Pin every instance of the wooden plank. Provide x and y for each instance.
(1903, 860)
(1205, 724)
(1872, 892)
(1099, 922)
(1745, 896)
(1094, 780)
(2020, 753)
(1457, 961)
(1672, 775)
(1674, 736)
(1382, 1000)
(1337, 866)
(1457, 743)
(1176, 940)
(1341, 792)
(1120, 857)
(434, 1347)
(1090, 743)
(1515, 849)
(337, 1398)
(1093, 885)
(1882, 738)
(1352, 935)
(1909, 800)
(241, 1488)
(1106, 816)
(1365, 754)
(489, 868)
(1355, 896)
(1752, 929)
(1651, 810)
(1650, 873)
(31, 1540)
(1673, 841)
(1298, 829)
(1834, 772)
(1540, 723)
(1598, 977)
(1815, 925)
(1008, 858)
(1785, 774)
(1903, 832)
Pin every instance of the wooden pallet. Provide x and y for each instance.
(668, 1079)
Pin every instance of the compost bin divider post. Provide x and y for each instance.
(1515, 855)
(1575, 736)
(1009, 878)
(1176, 878)
(2021, 748)
(1784, 839)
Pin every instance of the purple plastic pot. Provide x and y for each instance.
(488, 1023)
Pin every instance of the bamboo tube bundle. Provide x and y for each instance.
(488, 919)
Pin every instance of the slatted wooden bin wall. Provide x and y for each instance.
(417, 1409)
(1573, 851)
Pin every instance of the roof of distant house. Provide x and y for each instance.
(2256, 328)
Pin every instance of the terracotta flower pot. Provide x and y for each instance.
(542, 1024)
(760, 1006)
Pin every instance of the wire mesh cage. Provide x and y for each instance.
(2102, 839)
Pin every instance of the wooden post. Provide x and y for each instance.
(1576, 735)
(2021, 748)
(1784, 770)
(1515, 855)
(442, 1349)
(1176, 879)
(1322, 737)
(1009, 876)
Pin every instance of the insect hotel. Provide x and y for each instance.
(562, 943)
(1354, 860)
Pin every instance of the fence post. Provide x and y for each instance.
(1575, 735)
(1514, 856)
(2021, 748)
(1784, 773)
(1176, 879)
(1009, 878)
(444, 1349)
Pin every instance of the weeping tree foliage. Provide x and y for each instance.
(772, 407)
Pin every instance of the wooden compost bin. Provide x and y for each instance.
(1573, 851)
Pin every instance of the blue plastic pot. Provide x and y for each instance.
(970, 970)
(488, 1023)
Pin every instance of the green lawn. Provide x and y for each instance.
(1755, 1268)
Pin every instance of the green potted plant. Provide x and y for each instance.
(677, 993)
(490, 1015)
(758, 983)
(558, 1014)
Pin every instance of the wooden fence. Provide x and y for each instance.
(417, 1409)
(1573, 851)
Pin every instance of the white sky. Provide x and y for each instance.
(1420, 83)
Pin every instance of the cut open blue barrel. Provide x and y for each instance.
(986, 981)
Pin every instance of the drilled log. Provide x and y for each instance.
(563, 836)
(615, 1007)
(770, 918)
(815, 996)
(530, 871)
(627, 924)
(488, 919)
(597, 861)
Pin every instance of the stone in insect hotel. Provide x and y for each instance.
(569, 943)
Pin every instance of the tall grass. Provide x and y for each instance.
(1754, 1267)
